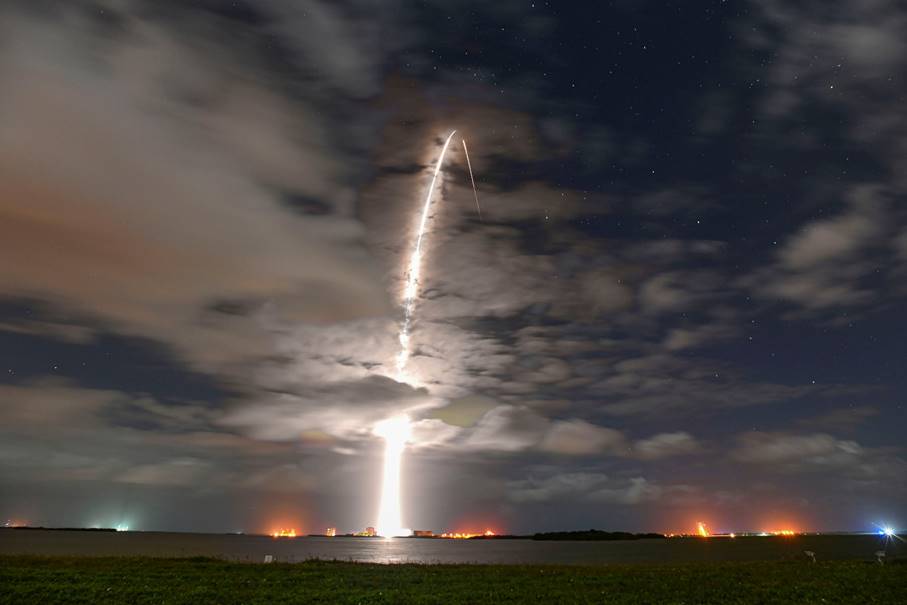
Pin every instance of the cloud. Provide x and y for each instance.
(178, 471)
(465, 411)
(29, 407)
(841, 61)
(179, 205)
(244, 191)
(861, 35)
(675, 291)
(817, 449)
(672, 201)
(345, 410)
(665, 445)
(58, 330)
(687, 338)
(606, 292)
(844, 418)
(507, 428)
(663, 383)
(580, 438)
(589, 486)
(834, 239)
(825, 263)
(851, 465)
(349, 41)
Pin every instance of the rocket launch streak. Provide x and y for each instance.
(396, 431)
(411, 290)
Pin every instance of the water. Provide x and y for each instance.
(409, 550)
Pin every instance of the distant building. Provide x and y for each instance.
(331, 532)
(423, 533)
(370, 531)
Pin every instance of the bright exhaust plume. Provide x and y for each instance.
(395, 432)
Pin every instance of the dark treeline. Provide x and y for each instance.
(27, 527)
(594, 534)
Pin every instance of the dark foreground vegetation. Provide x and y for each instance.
(26, 579)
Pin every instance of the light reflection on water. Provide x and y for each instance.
(410, 550)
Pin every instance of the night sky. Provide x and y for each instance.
(684, 301)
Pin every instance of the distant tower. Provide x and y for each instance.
(331, 532)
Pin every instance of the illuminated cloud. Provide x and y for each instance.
(172, 147)
(593, 487)
(818, 448)
(577, 437)
(666, 444)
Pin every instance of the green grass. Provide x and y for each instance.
(27, 579)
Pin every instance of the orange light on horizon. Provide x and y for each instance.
(466, 535)
(15, 523)
(284, 533)
(783, 532)
(702, 530)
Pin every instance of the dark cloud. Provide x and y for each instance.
(796, 450)
(594, 487)
(828, 262)
(666, 444)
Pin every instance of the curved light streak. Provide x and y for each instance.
(411, 289)
(396, 431)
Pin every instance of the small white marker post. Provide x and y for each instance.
(269, 558)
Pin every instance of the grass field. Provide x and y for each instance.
(25, 579)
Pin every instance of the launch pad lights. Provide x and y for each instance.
(465, 536)
(15, 523)
(284, 533)
(702, 531)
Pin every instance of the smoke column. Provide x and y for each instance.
(411, 290)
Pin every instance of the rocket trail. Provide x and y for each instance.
(469, 165)
(411, 290)
(396, 431)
